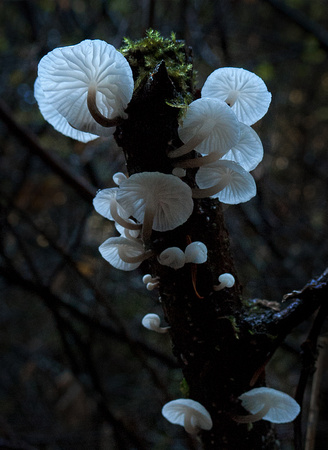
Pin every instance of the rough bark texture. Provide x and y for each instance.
(221, 344)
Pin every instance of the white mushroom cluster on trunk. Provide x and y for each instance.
(82, 90)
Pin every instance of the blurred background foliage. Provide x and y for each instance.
(77, 371)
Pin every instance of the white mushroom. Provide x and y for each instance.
(268, 404)
(89, 84)
(209, 126)
(152, 322)
(159, 201)
(189, 414)
(245, 92)
(118, 177)
(124, 254)
(106, 205)
(226, 281)
(227, 181)
(172, 257)
(248, 152)
(55, 119)
(196, 253)
(150, 282)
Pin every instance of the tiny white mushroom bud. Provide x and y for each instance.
(152, 286)
(172, 257)
(152, 322)
(179, 172)
(268, 404)
(118, 177)
(196, 253)
(226, 281)
(189, 414)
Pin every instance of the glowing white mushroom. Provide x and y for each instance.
(124, 254)
(89, 84)
(159, 201)
(118, 177)
(106, 205)
(196, 253)
(209, 126)
(245, 92)
(150, 282)
(189, 414)
(227, 181)
(172, 257)
(152, 322)
(55, 119)
(248, 153)
(268, 404)
(226, 281)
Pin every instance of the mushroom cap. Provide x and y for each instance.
(172, 257)
(153, 322)
(214, 119)
(66, 73)
(248, 152)
(283, 408)
(168, 196)
(187, 413)
(102, 202)
(52, 116)
(228, 279)
(110, 251)
(241, 186)
(196, 253)
(244, 91)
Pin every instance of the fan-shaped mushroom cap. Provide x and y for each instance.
(212, 124)
(66, 74)
(189, 414)
(153, 322)
(164, 199)
(248, 153)
(102, 202)
(196, 253)
(244, 91)
(118, 251)
(227, 181)
(276, 406)
(172, 257)
(55, 119)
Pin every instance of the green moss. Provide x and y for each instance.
(146, 53)
(184, 388)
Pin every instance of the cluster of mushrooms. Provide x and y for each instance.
(82, 91)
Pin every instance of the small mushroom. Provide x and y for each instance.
(196, 253)
(118, 177)
(226, 281)
(268, 404)
(152, 322)
(89, 84)
(248, 152)
(189, 414)
(245, 92)
(106, 205)
(150, 282)
(227, 181)
(209, 126)
(159, 201)
(124, 254)
(172, 257)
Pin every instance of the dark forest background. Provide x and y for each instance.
(77, 370)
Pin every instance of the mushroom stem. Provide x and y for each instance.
(134, 259)
(208, 192)
(124, 223)
(96, 114)
(188, 146)
(198, 162)
(250, 418)
(147, 225)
